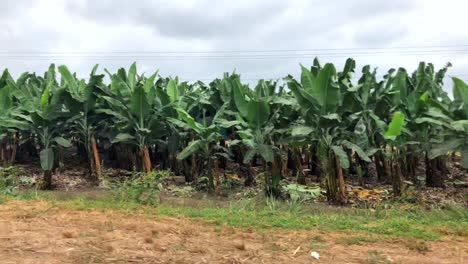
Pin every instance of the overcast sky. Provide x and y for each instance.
(34, 34)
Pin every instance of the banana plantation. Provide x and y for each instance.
(330, 125)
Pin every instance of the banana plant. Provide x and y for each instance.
(256, 121)
(319, 98)
(80, 98)
(205, 143)
(136, 106)
(9, 136)
(454, 119)
(369, 104)
(396, 143)
(42, 115)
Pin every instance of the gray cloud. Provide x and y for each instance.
(72, 26)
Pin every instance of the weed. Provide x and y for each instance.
(272, 203)
(241, 205)
(376, 257)
(141, 188)
(355, 240)
(185, 191)
(295, 206)
(11, 178)
(416, 245)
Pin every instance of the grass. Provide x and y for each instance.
(356, 240)
(416, 223)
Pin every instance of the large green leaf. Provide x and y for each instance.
(132, 76)
(396, 126)
(304, 99)
(460, 93)
(172, 90)
(5, 98)
(123, 137)
(62, 142)
(342, 156)
(139, 103)
(47, 159)
(258, 113)
(239, 98)
(358, 150)
(70, 81)
(301, 131)
(46, 95)
(266, 151)
(149, 83)
(308, 81)
(193, 147)
(327, 90)
(190, 121)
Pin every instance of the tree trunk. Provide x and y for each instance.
(216, 174)
(97, 160)
(342, 197)
(315, 168)
(331, 184)
(434, 176)
(396, 179)
(284, 162)
(2, 154)
(47, 183)
(194, 167)
(299, 171)
(13, 150)
(271, 181)
(146, 160)
(380, 167)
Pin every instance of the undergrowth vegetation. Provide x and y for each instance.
(142, 188)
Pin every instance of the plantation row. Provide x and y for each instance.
(323, 122)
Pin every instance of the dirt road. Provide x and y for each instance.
(38, 232)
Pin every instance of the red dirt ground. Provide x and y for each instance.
(38, 232)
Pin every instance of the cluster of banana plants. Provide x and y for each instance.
(323, 124)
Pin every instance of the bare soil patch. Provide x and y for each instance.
(38, 232)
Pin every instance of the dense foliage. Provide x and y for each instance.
(323, 124)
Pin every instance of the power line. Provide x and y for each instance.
(244, 51)
(241, 55)
(251, 57)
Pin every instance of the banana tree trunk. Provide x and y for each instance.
(194, 169)
(97, 160)
(284, 162)
(14, 149)
(314, 162)
(434, 176)
(216, 174)
(380, 166)
(336, 191)
(397, 179)
(2, 154)
(299, 171)
(342, 197)
(47, 183)
(146, 160)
